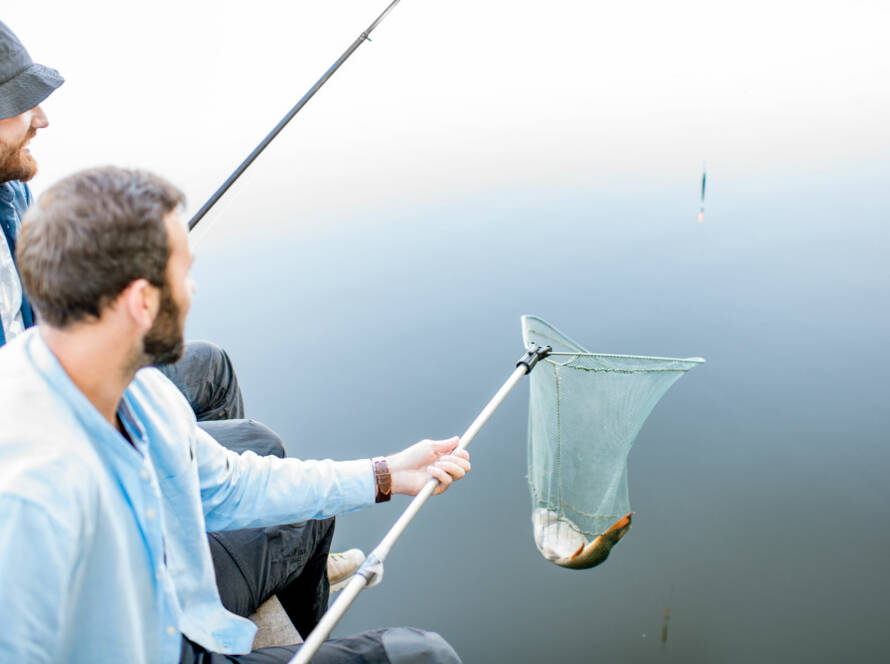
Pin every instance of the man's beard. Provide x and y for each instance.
(164, 343)
(15, 163)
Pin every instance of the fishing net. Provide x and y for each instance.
(585, 411)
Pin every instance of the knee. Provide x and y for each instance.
(404, 645)
(264, 441)
(207, 354)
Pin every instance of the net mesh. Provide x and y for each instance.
(585, 411)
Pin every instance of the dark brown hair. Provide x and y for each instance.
(90, 236)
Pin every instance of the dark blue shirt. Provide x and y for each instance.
(15, 198)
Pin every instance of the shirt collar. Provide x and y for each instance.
(57, 378)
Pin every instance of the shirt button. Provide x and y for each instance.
(171, 630)
(150, 513)
(144, 474)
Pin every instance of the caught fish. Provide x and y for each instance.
(560, 541)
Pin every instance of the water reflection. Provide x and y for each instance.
(363, 335)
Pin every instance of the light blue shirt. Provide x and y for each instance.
(103, 552)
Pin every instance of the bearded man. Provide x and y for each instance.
(204, 374)
(107, 484)
(293, 558)
(23, 86)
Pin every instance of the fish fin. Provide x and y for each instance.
(578, 552)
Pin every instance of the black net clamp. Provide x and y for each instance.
(531, 357)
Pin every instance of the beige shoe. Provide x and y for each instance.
(341, 567)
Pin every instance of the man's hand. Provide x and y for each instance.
(413, 467)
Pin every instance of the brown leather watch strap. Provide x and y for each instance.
(382, 479)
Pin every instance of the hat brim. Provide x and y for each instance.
(27, 89)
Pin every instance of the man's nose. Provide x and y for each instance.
(38, 118)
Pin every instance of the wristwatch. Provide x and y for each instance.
(382, 479)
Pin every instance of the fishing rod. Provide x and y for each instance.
(371, 571)
(288, 117)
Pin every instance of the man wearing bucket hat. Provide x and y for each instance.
(24, 84)
(204, 375)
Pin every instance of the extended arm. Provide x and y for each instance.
(240, 491)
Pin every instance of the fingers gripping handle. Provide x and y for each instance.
(371, 571)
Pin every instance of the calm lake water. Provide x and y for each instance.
(759, 482)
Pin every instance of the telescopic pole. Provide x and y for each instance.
(373, 565)
(287, 118)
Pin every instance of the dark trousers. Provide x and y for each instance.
(253, 564)
(290, 560)
(396, 645)
(206, 377)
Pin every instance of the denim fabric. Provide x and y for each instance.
(207, 379)
(15, 197)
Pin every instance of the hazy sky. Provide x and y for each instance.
(459, 96)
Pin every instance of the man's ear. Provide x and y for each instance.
(140, 301)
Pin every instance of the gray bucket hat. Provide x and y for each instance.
(23, 83)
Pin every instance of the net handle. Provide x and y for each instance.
(373, 565)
